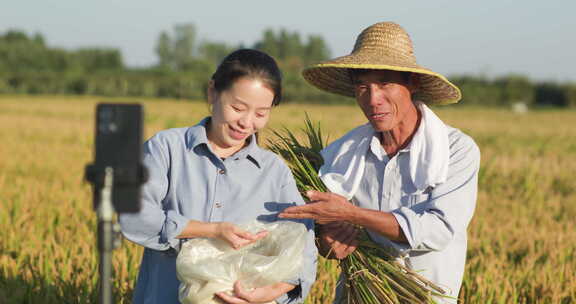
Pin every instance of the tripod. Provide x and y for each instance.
(107, 236)
(116, 177)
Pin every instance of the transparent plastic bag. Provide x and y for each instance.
(205, 266)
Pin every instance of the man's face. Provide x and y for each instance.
(385, 97)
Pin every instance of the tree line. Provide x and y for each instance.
(28, 65)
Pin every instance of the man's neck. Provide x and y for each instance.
(398, 138)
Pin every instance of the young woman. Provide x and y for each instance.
(206, 178)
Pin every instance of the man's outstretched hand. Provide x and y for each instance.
(323, 207)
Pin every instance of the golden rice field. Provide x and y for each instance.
(522, 240)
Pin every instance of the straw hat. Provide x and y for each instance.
(382, 46)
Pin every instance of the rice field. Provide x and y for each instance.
(522, 240)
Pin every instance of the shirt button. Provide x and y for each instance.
(218, 204)
(222, 171)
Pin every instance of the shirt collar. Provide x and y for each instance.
(376, 147)
(197, 135)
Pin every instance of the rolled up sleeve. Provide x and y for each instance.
(432, 225)
(153, 227)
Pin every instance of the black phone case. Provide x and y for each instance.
(118, 144)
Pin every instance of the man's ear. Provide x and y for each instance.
(414, 83)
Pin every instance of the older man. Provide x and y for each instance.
(412, 180)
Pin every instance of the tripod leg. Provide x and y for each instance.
(106, 238)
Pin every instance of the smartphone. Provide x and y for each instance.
(118, 145)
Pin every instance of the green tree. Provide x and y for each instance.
(99, 59)
(551, 94)
(213, 52)
(570, 89)
(316, 49)
(288, 47)
(184, 39)
(516, 88)
(289, 44)
(268, 44)
(164, 50)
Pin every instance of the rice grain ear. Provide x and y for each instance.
(371, 272)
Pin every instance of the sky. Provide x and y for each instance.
(490, 38)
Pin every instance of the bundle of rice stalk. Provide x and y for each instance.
(371, 272)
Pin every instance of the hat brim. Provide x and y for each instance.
(332, 76)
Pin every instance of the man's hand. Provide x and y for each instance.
(235, 236)
(264, 294)
(338, 239)
(324, 207)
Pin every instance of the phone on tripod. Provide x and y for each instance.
(118, 145)
(116, 176)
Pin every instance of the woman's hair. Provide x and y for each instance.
(249, 63)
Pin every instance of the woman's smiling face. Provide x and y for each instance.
(237, 113)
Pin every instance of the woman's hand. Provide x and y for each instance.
(226, 231)
(264, 294)
(236, 237)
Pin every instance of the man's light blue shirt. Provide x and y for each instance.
(187, 181)
(434, 220)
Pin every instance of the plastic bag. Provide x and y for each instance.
(205, 266)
